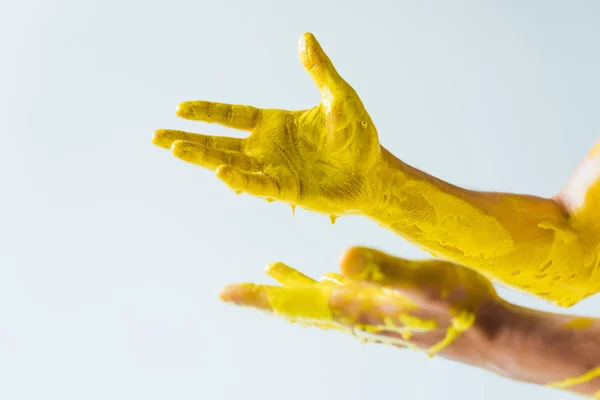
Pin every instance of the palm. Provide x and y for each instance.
(316, 158)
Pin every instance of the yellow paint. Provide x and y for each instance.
(342, 301)
(459, 325)
(328, 159)
(414, 323)
(335, 279)
(569, 382)
(288, 276)
(580, 323)
(309, 303)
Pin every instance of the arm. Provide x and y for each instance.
(438, 308)
(328, 159)
(559, 351)
(553, 245)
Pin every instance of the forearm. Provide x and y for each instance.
(430, 210)
(492, 232)
(546, 349)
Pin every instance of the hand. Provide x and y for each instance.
(433, 306)
(318, 158)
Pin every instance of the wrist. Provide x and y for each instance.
(499, 329)
(484, 344)
(384, 179)
(537, 347)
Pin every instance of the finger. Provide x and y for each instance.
(230, 115)
(316, 62)
(316, 305)
(288, 276)
(210, 158)
(256, 184)
(247, 295)
(166, 137)
(335, 279)
(306, 303)
(359, 312)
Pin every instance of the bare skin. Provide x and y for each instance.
(380, 298)
(328, 159)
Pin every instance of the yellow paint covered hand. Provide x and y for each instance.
(430, 305)
(328, 159)
(316, 158)
(438, 308)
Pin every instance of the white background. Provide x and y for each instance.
(112, 252)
